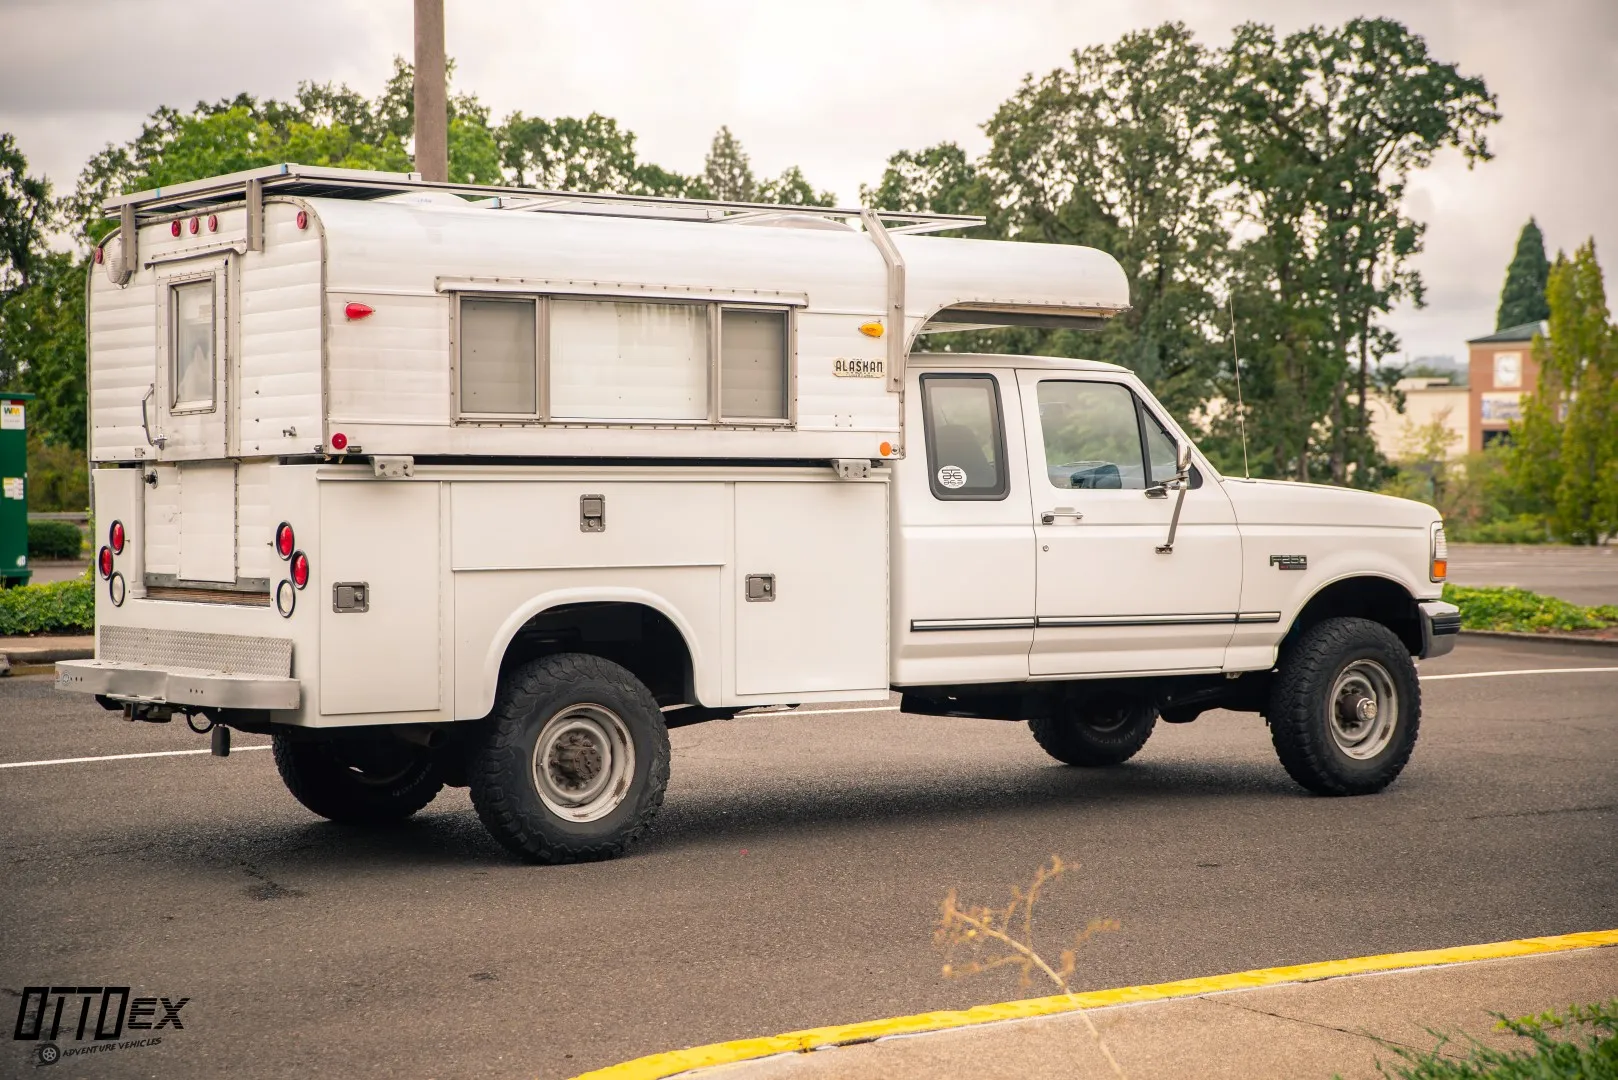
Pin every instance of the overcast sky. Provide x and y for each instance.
(837, 86)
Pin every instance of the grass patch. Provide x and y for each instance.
(61, 607)
(1587, 1048)
(1524, 611)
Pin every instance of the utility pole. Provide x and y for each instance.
(432, 104)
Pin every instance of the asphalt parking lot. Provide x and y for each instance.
(791, 880)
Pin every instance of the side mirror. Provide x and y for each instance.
(1182, 460)
(1182, 463)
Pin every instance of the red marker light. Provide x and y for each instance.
(358, 311)
(339, 441)
(115, 537)
(174, 227)
(100, 254)
(303, 219)
(196, 224)
(105, 559)
(213, 222)
(300, 569)
(283, 540)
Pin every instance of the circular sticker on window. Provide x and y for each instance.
(952, 476)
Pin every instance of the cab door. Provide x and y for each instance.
(185, 409)
(1106, 600)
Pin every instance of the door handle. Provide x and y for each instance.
(145, 425)
(1049, 517)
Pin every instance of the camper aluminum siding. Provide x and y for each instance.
(298, 370)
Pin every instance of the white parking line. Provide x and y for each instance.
(783, 712)
(122, 757)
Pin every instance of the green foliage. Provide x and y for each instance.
(42, 349)
(1522, 300)
(937, 180)
(58, 475)
(1521, 529)
(54, 540)
(727, 174)
(1594, 1056)
(26, 215)
(1564, 455)
(61, 607)
(1501, 608)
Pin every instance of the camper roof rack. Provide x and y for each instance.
(329, 183)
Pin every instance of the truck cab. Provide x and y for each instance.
(453, 485)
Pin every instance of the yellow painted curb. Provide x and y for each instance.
(672, 1062)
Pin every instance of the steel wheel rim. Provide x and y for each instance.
(583, 762)
(1363, 709)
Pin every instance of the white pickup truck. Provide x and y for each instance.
(448, 485)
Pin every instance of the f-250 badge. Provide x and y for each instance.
(1290, 562)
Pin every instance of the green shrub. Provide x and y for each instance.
(1521, 610)
(1594, 1057)
(58, 476)
(54, 540)
(1523, 529)
(62, 607)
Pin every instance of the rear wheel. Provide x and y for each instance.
(574, 760)
(358, 780)
(1346, 707)
(1096, 734)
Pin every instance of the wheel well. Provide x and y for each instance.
(634, 636)
(1376, 598)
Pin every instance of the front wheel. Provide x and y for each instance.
(1345, 708)
(358, 779)
(573, 762)
(1096, 734)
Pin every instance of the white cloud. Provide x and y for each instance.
(835, 87)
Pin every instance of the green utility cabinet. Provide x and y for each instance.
(14, 489)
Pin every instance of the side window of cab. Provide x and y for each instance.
(966, 440)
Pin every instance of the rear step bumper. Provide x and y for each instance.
(180, 687)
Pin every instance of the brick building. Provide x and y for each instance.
(1501, 371)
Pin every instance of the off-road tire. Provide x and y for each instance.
(322, 775)
(1300, 716)
(501, 764)
(1096, 738)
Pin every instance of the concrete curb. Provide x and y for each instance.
(1558, 639)
(19, 653)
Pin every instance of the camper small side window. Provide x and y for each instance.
(752, 364)
(191, 346)
(499, 344)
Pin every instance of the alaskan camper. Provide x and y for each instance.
(443, 484)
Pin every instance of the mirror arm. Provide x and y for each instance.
(1182, 481)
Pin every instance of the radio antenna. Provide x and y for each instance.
(1241, 407)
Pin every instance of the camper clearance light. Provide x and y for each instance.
(358, 311)
(283, 540)
(174, 227)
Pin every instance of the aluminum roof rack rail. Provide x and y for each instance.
(320, 182)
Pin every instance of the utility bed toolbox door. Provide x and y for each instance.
(818, 554)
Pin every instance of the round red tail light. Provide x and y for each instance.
(303, 219)
(174, 227)
(300, 569)
(283, 540)
(105, 561)
(115, 537)
(195, 225)
(213, 222)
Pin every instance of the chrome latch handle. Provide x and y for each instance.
(160, 439)
(1049, 517)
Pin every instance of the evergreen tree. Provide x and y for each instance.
(1523, 298)
(727, 174)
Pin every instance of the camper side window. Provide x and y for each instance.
(191, 346)
(752, 364)
(499, 351)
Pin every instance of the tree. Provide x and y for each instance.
(26, 215)
(937, 180)
(1320, 132)
(42, 348)
(1564, 455)
(1522, 300)
(726, 172)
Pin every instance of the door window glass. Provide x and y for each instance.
(1092, 439)
(1160, 449)
(966, 447)
(192, 346)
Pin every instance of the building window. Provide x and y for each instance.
(192, 337)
